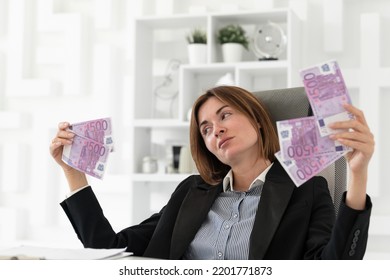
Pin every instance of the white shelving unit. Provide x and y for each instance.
(160, 39)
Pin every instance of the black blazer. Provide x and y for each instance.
(290, 223)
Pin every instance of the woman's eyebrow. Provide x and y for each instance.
(217, 112)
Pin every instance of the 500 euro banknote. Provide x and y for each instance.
(99, 130)
(327, 92)
(303, 169)
(87, 156)
(300, 138)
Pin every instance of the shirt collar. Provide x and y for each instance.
(228, 180)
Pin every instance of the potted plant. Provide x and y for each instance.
(233, 40)
(197, 46)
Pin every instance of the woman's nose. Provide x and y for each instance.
(219, 131)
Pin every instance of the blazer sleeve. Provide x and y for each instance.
(95, 231)
(350, 233)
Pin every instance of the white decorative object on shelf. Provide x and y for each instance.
(227, 80)
(232, 52)
(165, 91)
(149, 165)
(197, 53)
(233, 39)
(197, 46)
(189, 113)
(269, 41)
(185, 161)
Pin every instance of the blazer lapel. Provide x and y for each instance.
(275, 197)
(192, 213)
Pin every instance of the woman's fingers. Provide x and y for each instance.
(63, 134)
(355, 132)
(63, 137)
(358, 124)
(63, 125)
(354, 124)
(359, 114)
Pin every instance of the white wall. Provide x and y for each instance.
(71, 60)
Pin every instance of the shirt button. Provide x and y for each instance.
(220, 254)
(235, 215)
(227, 226)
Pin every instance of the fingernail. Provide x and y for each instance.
(70, 134)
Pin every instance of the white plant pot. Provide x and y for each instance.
(197, 53)
(232, 52)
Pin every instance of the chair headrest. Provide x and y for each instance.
(284, 104)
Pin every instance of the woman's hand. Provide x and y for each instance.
(62, 138)
(359, 137)
(76, 179)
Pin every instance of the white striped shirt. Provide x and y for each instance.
(225, 233)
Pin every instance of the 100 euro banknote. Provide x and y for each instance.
(303, 169)
(87, 156)
(98, 130)
(327, 92)
(300, 138)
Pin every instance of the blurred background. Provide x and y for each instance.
(76, 60)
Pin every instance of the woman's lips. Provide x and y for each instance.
(223, 141)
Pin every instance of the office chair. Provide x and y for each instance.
(292, 103)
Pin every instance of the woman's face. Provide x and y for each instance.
(227, 133)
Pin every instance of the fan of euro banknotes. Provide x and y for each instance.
(91, 147)
(305, 148)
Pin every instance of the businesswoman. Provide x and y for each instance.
(243, 205)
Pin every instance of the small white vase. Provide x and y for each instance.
(185, 162)
(232, 52)
(197, 53)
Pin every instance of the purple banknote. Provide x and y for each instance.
(301, 170)
(327, 92)
(98, 130)
(300, 138)
(86, 155)
(305, 148)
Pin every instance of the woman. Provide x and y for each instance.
(243, 205)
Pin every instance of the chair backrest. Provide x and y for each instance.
(292, 103)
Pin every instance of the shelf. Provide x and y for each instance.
(245, 17)
(247, 66)
(180, 20)
(208, 68)
(263, 65)
(172, 22)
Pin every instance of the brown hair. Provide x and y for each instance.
(211, 169)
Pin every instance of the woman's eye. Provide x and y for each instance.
(206, 130)
(225, 114)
